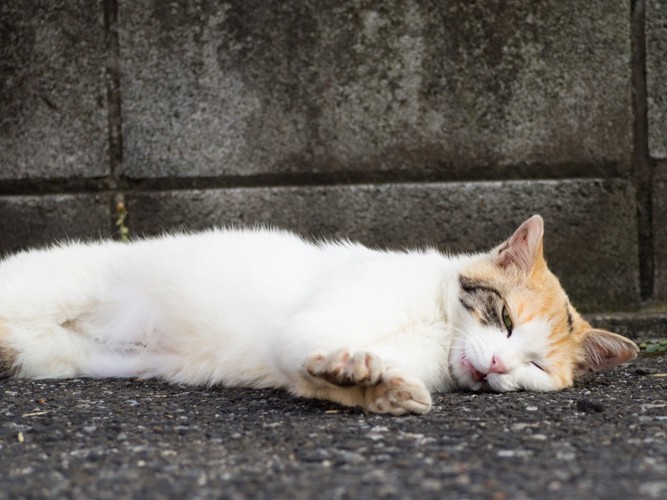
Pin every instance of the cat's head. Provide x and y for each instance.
(516, 329)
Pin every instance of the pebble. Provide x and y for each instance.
(588, 406)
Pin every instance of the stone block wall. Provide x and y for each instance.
(395, 122)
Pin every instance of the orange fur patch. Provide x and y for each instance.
(539, 295)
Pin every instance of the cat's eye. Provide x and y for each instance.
(537, 366)
(507, 320)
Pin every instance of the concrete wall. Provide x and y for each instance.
(656, 66)
(395, 122)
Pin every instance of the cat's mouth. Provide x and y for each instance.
(479, 380)
(476, 375)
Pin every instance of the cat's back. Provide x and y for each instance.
(99, 261)
(222, 245)
(213, 242)
(206, 269)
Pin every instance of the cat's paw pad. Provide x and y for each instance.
(398, 393)
(345, 369)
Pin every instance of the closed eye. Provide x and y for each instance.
(537, 366)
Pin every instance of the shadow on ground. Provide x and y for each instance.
(604, 438)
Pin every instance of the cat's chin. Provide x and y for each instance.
(482, 386)
(491, 383)
(485, 387)
(469, 384)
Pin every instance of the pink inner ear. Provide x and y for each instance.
(516, 252)
(523, 247)
(603, 350)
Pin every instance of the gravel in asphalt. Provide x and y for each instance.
(603, 438)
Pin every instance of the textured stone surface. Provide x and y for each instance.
(36, 220)
(53, 120)
(656, 76)
(111, 439)
(590, 224)
(246, 87)
(660, 236)
(636, 325)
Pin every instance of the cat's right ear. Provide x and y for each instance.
(523, 249)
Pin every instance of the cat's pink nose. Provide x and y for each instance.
(497, 365)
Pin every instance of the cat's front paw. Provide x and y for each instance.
(398, 393)
(345, 369)
(384, 389)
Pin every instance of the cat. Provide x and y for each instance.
(264, 308)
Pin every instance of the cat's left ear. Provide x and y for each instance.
(601, 350)
(523, 249)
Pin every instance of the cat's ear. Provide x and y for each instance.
(601, 350)
(523, 249)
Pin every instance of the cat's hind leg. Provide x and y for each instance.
(43, 349)
(37, 350)
(378, 388)
(8, 355)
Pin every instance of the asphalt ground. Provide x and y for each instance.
(603, 438)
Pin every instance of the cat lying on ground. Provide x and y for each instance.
(334, 320)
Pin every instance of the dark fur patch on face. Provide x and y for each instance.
(570, 320)
(481, 299)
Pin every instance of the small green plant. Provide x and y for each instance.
(654, 346)
(123, 233)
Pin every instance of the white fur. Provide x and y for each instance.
(246, 308)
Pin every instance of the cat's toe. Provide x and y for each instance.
(333, 367)
(367, 368)
(397, 394)
(344, 369)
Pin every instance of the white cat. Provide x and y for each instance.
(334, 320)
